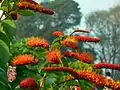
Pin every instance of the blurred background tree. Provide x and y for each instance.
(106, 25)
(67, 15)
(103, 24)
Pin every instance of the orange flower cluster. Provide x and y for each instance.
(63, 69)
(28, 83)
(85, 57)
(86, 39)
(106, 65)
(34, 6)
(54, 56)
(37, 42)
(24, 60)
(70, 42)
(99, 80)
(58, 33)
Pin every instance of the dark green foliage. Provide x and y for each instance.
(4, 57)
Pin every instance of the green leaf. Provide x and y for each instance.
(65, 62)
(26, 12)
(5, 3)
(4, 38)
(4, 8)
(3, 77)
(50, 81)
(85, 85)
(17, 88)
(72, 83)
(3, 80)
(4, 57)
(4, 53)
(9, 22)
(9, 28)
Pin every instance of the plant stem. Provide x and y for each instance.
(42, 81)
(45, 63)
(79, 82)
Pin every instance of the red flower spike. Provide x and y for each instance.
(54, 56)
(106, 65)
(69, 54)
(37, 42)
(28, 83)
(84, 57)
(58, 33)
(92, 77)
(86, 39)
(30, 1)
(24, 60)
(34, 2)
(89, 76)
(35, 7)
(63, 69)
(99, 80)
(21, 5)
(47, 11)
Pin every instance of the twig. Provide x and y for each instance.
(79, 82)
(79, 31)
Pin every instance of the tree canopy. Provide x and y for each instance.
(105, 24)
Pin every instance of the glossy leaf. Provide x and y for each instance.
(4, 38)
(9, 28)
(5, 3)
(9, 22)
(50, 81)
(4, 8)
(3, 80)
(26, 12)
(4, 53)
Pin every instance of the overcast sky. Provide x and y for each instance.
(88, 6)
